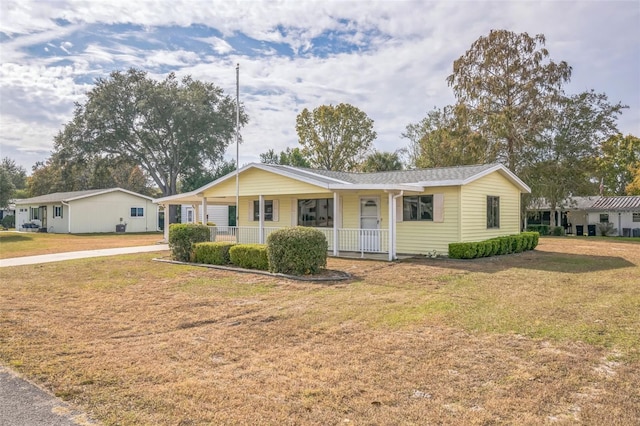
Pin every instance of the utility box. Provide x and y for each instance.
(626, 232)
(121, 228)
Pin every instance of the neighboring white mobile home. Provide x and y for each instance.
(90, 211)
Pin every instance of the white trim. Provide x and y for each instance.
(379, 186)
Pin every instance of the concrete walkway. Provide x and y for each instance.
(23, 403)
(57, 257)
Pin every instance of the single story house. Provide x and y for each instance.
(577, 213)
(90, 211)
(396, 212)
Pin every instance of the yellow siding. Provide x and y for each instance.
(422, 237)
(474, 208)
(256, 181)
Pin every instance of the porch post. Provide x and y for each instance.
(392, 221)
(261, 220)
(166, 223)
(204, 210)
(336, 242)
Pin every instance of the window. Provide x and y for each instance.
(137, 211)
(417, 208)
(636, 217)
(493, 212)
(604, 218)
(57, 211)
(316, 212)
(268, 210)
(189, 216)
(34, 213)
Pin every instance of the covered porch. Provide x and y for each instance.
(360, 231)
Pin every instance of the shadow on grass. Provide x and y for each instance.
(12, 238)
(535, 260)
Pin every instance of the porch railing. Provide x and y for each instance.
(349, 239)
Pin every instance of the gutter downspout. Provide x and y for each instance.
(69, 216)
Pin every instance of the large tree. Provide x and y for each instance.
(565, 163)
(619, 163)
(60, 173)
(445, 137)
(203, 177)
(169, 128)
(288, 157)
(7, 188)
(13, 181)
(335, 137)
(511, 88)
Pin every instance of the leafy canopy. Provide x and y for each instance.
(288, 157)
(170, 128)
(335, 137)
(510, 88)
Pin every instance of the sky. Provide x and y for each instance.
(390, 58)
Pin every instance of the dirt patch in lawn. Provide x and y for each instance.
(416, 342)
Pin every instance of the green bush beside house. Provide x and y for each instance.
(495, 246)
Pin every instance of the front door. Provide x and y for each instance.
(43, 218)
(370, 224)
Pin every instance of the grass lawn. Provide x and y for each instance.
(550, 336)
(18, 244)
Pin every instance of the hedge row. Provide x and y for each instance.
(546, 230)
(298, 250)
(495, 246)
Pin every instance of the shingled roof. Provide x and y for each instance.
(58, 197)
(455, 175)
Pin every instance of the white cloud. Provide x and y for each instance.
(219, 45)
(403, 52)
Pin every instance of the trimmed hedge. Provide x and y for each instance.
(495, 246)
(298, 250)
(182, 236)
(249, 256)
(212, 253)
(541, 229)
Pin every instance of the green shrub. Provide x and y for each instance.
(299, 250)
(249, 256)
(505, 245)
(536, 238)
(488, 248)
(557, 231)
(182, 236)
(606, 229)
(462, 250)
(496, 246)
(212, 253)
(9, 221)
(540, 229)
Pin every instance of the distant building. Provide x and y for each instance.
(90, 211)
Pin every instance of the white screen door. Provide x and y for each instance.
(370, 224)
